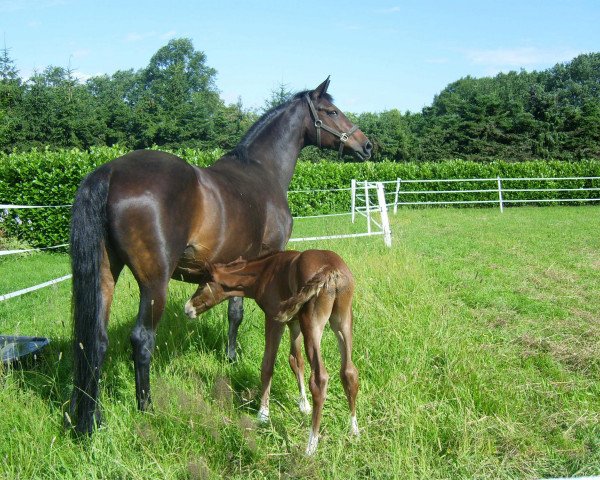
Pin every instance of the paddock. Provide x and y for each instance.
(476, 335)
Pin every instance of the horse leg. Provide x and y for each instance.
(143, 337)
(313, 318)
(297, 363)
(235, 313)
(110, 270)
(273, 333)
(341, 324)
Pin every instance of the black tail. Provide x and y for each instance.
(88, 231)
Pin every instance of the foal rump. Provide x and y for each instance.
(325, 278)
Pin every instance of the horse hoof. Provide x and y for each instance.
(231, 354)
(263, 415)
(354, 427)
(189, 309)
(313, 441)
(304, 405)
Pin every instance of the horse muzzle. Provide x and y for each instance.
(365, 152)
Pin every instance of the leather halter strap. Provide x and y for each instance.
(343, 136)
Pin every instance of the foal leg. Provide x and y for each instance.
(297, 363)
(313, 317)
(341, 324)
(273, 333)
(143, 338)
(235, 313)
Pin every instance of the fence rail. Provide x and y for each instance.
(502, 195)
(362, 204)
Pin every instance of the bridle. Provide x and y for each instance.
(343, 136)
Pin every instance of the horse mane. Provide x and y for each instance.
(321, 279)
(240, 151)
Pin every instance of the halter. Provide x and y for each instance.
(344, 137)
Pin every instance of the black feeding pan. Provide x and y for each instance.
(14, 349)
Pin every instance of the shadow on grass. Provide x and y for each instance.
(50, 377)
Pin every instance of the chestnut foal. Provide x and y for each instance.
(303, 290)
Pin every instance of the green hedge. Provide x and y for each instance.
(339, 175)
(44, 177)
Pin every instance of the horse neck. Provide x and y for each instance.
(278, 143)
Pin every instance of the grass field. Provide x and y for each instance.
(477, 339)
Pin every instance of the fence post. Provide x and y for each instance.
(385, 222)
(353, 202)
(368, 207)
(398, 181)
(500, 195)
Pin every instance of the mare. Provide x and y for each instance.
(164, 218)
(303, 290)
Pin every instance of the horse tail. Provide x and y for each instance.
(88, 233)
(323, 278)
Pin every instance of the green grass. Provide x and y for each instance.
(476, 337)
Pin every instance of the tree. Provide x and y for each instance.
(390, 133)
(11, 91)
(180, 99)
(278, 96)
(58, 111)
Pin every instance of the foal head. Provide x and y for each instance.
(330, 128)
(228, 281)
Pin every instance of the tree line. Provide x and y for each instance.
(174, 103)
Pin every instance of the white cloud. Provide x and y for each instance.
(84, 77)
(168, 35)
(138, 37)
(519, 57)
(81, 53)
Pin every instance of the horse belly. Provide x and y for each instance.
(216, 241)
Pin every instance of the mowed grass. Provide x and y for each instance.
(476, 338)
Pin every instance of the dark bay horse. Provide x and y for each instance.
(164, 218)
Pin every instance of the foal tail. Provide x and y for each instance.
(88, 231)
(323, 278)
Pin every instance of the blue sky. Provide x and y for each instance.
(380, 54)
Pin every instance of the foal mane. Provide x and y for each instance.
(240, 151)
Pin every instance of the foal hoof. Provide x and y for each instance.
(189, 309)
(304, 406)
(313, 441)
(263, 415)
(354, 427)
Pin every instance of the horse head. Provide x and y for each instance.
(330, 128)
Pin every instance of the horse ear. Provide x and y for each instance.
(321, 89)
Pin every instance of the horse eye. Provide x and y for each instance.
(332, 113)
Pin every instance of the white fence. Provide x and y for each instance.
(363, 203)
(499, 187)
(368, 199)
(23, 291)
